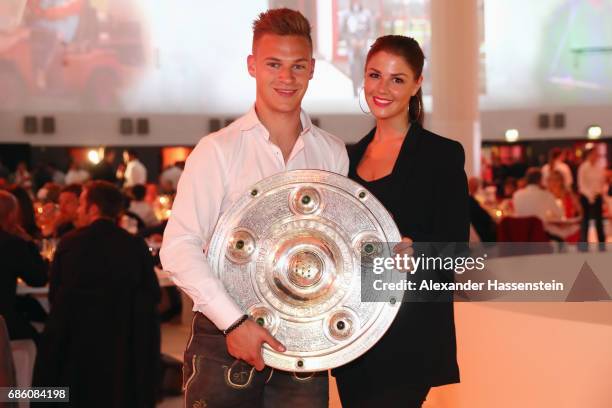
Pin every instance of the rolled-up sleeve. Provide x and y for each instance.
(195, 212)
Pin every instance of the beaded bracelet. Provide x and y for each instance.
(235, 325)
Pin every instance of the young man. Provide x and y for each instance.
(592, 184)
(105, 169)
(68, 207)
(274, 136)
(135, 171)
(140, 207)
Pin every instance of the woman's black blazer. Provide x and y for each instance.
(427, 196)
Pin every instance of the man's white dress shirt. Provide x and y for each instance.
(171, 175)
(222, 167)
(591, 180)
(145, 211)
(533, 200)
(76, 176)
(135, 173)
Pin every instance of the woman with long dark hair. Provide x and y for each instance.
(418, 176)
(20, 259)
(27, 218)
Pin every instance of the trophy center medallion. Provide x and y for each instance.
(305, 269)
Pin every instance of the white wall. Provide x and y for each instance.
(577, 120)
(86, 129)
(103, 129)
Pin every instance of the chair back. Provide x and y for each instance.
(523, 229)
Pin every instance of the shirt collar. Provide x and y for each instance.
(306, 123)
(250, 121)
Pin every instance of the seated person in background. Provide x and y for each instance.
(128, 220)
(49, 193)
(76, 174)
(140, 207)
(47, 197)
(102, 338)
(480, 219)
(19, 258)
(556, 163)
(26, 216)
(533, 200)
(68, 206)
(22, 177)
(509, 188)
(169, 178)
(568, 201)
(170, 304)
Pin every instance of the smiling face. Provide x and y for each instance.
(389, 84)
(282, 67)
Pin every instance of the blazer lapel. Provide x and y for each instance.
(408, 157)
(357, 151)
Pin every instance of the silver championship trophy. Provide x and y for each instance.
(289, 252)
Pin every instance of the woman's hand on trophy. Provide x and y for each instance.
(404, 247)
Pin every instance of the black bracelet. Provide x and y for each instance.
(235, 325)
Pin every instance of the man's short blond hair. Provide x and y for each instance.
(281, 21)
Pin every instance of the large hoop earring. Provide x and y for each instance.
(362, 92)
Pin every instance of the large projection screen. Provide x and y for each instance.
(189, 56)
